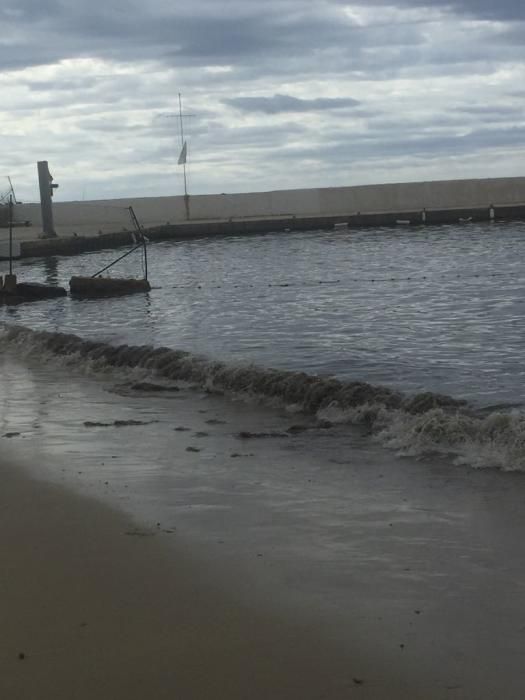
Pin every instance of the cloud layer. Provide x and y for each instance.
(280, 94)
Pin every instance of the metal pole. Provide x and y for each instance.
(142, 237)
(132, 250)
(182, 145)
(145, 258)
(10, 234)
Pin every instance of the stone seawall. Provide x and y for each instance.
(108, 216)
(71, 245)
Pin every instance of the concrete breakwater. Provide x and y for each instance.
(93, 225)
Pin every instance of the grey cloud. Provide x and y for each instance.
(499, 111)
(419, 146)
(267, 47)
(503, 10)
(294, 39)
(131, 30)
(80, 83)
(286, 103)
(261, 36)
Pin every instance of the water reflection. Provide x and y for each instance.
(51, 270)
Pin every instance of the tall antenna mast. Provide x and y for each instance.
(183, 156)
(184, 151)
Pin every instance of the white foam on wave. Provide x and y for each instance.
(493, 441)
(414, 425)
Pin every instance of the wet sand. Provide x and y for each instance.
(98, 613)
(91, 609)
(306, 565)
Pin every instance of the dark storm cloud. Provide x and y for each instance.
(286, 103)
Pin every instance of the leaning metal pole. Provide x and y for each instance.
(10, 234)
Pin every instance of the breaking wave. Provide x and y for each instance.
(416, 425)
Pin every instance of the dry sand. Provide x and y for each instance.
(88, 611)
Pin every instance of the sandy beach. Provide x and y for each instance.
(93, 606)
(90, 610)
(204, 550)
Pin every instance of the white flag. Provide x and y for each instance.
(183, 153)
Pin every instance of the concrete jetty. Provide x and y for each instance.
(93, 225)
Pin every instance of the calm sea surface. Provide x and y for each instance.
(434, 308)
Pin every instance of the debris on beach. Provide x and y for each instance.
(116, 423)
(246, 434)
(294, 429)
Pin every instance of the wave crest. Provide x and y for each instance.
(411, 424)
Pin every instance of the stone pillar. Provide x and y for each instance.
(45, 181)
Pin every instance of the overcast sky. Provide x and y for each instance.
(282, 93)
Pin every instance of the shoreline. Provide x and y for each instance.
(284, 567)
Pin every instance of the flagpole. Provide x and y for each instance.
(182, 139)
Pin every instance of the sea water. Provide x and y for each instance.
(310, 408)
(428, 312)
